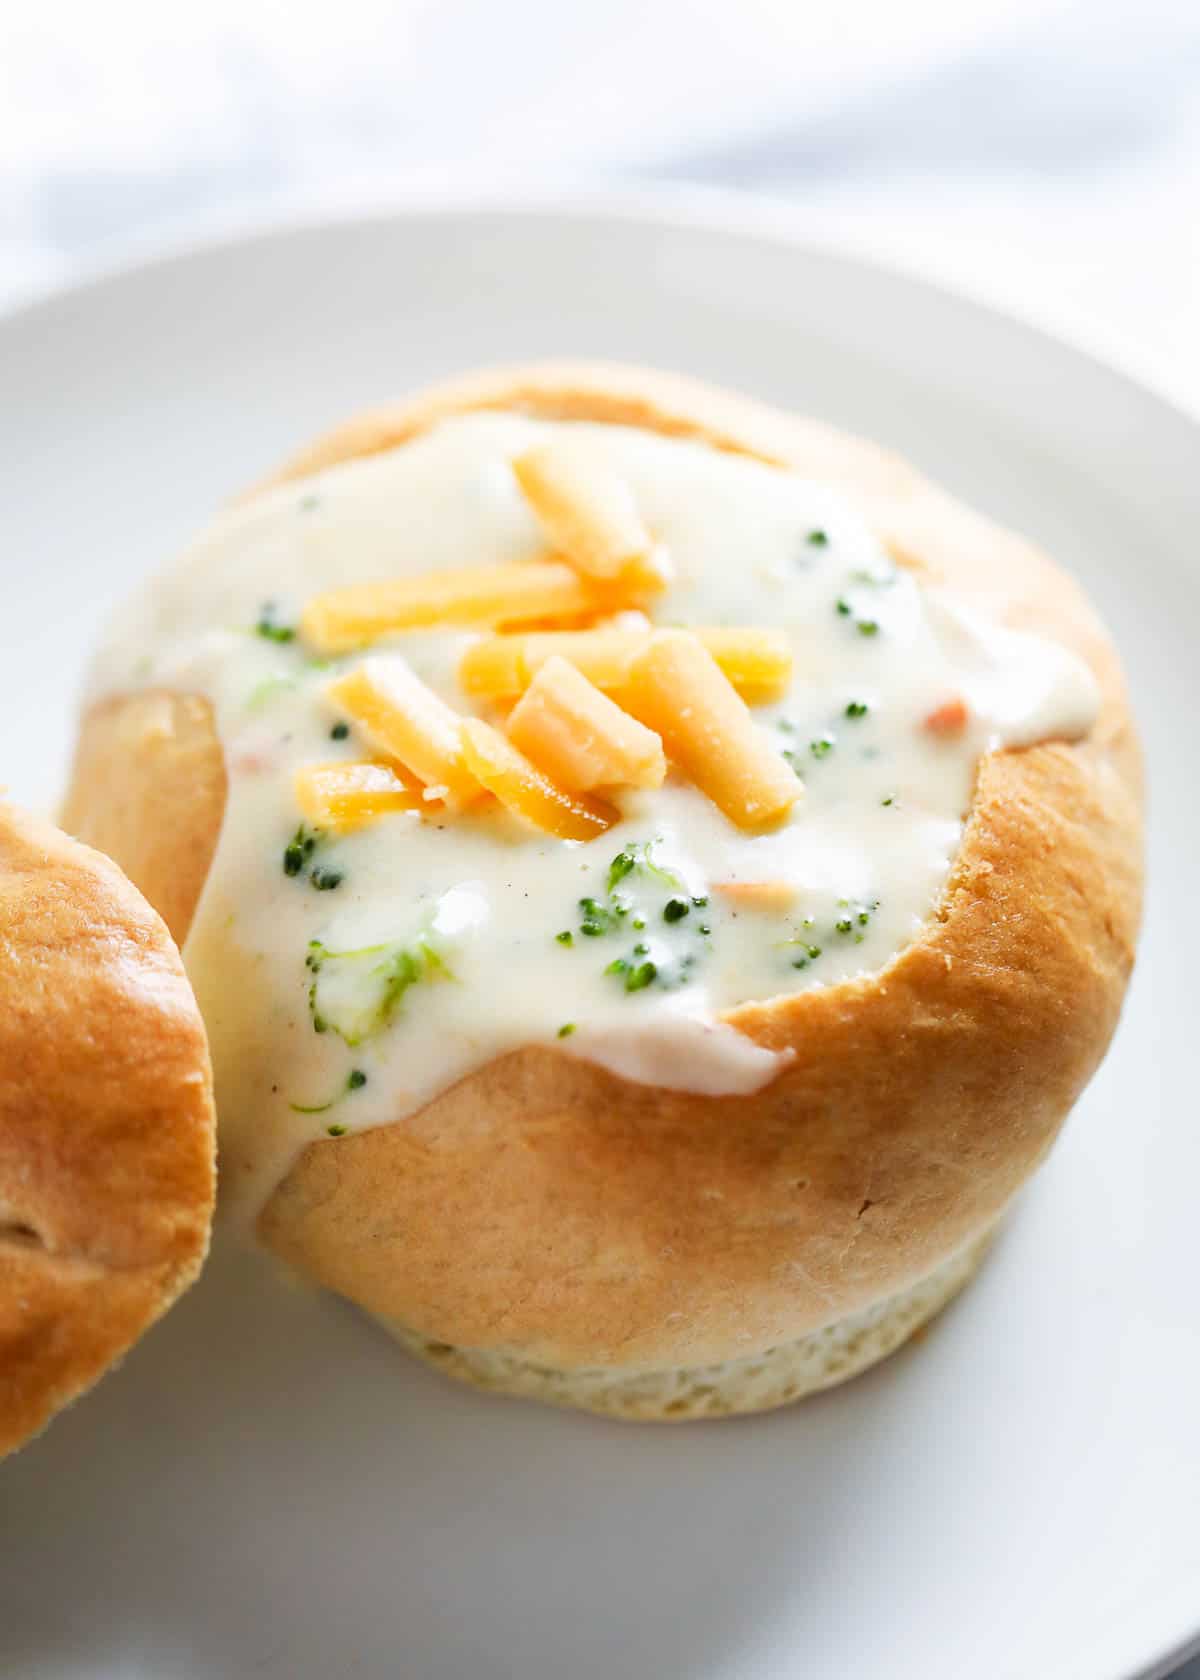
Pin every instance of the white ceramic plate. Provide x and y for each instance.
(268, 1487)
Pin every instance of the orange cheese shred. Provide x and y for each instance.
(677, 689)
(345, 796)
(405, 720)
(757, 662)
(527, 791)
(525, 592)
(580, 737)
(588, 514)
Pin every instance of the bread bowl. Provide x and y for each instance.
(107, 1129)
(687, 1180)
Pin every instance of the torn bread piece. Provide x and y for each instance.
(107, 1129)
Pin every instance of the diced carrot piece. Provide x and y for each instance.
(677, 689)
(579, 737)
(345, 796)
(950, 718)
(758, 895)
(526, 791)
(407, 721)
(588, 513)
(525, 592)
(757, 662)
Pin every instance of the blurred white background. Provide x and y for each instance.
(1045, 152)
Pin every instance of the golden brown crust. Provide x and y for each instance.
(758, 1382)
(141, 761)
(545, 1207)
(107, 1132)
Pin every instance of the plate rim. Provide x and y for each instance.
(677, 206)
(672, 207)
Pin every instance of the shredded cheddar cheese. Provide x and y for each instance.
(580, 737)
(343, 797)
(405, 720)
(502, 667)
(526, 592)
(588, 514)
(677, 689)
(757, 662)
(529, 792)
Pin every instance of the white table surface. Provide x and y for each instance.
(1040, 152)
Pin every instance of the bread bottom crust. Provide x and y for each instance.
(757, 1384)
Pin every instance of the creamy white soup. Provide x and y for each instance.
(348, 977)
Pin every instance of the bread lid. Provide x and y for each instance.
(107, 1127)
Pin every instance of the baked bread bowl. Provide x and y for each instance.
(107, 1129)
(549, 1216)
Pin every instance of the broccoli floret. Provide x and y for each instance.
(358, 993)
